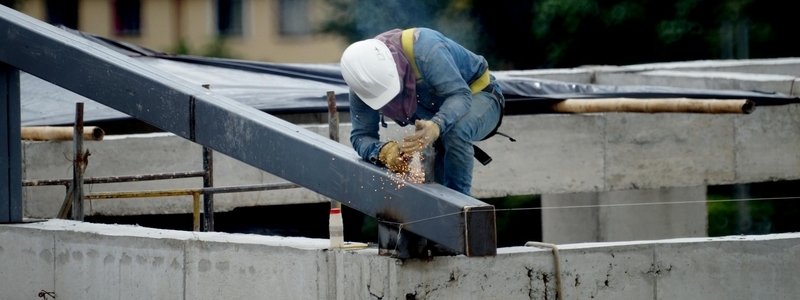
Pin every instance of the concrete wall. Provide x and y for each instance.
(93, 261)
(624, 215)
(554, 154)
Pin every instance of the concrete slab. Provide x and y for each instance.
(577, 75)
(227, 270)
(96, 266)
(652, 214)
(245, 266)
(728, 269)
(26, 262)
(624, 215)
(768, 144)
(553, 154)
(148, 154)
(701, 80)
(563, 225)
(780, 66)
(651, 151)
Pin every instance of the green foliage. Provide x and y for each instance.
(763, 216)
(525, 34)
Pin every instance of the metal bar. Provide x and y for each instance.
(333, 132)
(196, 211)
(241, 132)
(77, 165)
(186, 192)
(208, 181)
(116, 179)
(10, 146)
(66, 206)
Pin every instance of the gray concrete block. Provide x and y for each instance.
(577, 75)
(768, 144)
(148, 154)
(590, 272)
(236, 270)
(624, 215)
(562, 225)
(652, 214)
(701, 80)
(778, 66)
(553, 154)
(26, 262)
(650, 151)
(102, 266)
(731, 268)
(142, 154)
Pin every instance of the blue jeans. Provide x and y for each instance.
(454, 160)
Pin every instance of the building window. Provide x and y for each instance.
(62, 12)
(294, 17)
(127, 17)
(229, 17)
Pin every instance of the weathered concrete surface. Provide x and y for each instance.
(554, 154)
(768, 144)
(624, 215)
(648, 151)
(778, 66)
(702, 80)
(577, 75)
(96, 261)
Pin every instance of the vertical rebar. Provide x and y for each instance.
(77, 165)
(335, 224)
(196, 212)
(333, 130)
(208, 181)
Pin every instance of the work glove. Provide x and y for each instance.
(391, 156)
(427, 133)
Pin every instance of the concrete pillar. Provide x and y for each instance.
(624, 215)
(10, 146)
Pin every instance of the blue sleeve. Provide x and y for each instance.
(364, 135)
(440, 72)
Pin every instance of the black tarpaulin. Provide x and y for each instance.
(302, 88)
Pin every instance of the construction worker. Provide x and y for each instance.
(418, 76)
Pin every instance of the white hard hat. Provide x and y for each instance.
(370, 71)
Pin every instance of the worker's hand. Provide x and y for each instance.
(391, 156)
(427, 133)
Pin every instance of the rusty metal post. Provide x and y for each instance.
(335, 224)
(208, 181)
(196, 212)
(77, 165)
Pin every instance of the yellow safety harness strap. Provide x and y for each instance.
(407, 39)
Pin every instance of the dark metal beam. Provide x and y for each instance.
(453, 220)
(10, 146)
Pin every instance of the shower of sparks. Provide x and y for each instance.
(413, 172)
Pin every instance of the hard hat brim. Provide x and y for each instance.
(381, 100)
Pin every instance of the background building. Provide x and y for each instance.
(266, 30)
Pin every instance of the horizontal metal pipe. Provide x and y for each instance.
(53, 133)
(114, 179)
(186, 192)
(668, 105)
